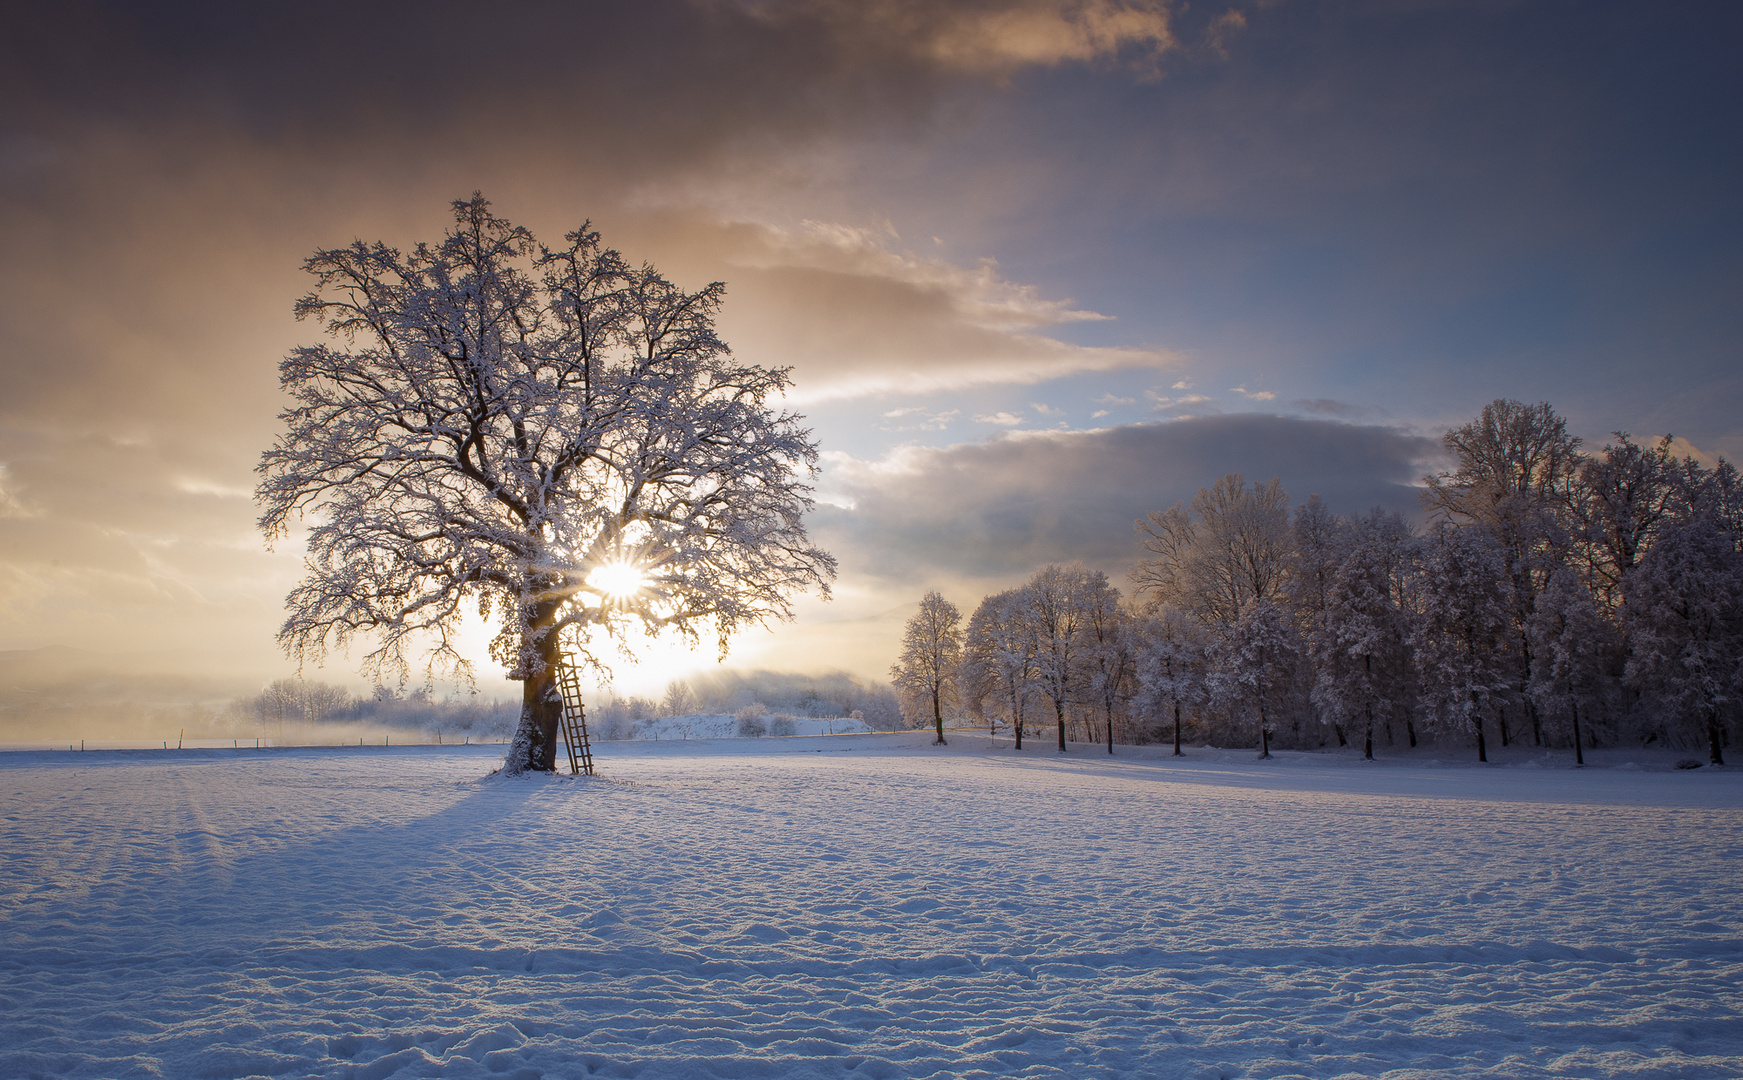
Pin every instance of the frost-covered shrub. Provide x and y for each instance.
(783, 724)
(752, 721)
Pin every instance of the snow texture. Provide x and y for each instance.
(865, 907)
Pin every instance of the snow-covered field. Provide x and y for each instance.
(864, 907)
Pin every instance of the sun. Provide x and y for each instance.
(618, 580)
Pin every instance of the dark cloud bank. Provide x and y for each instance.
(1020, 500)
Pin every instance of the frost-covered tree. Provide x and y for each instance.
(1514, 479)
(1684, 610)
(931, 657)
(1231, 550)
(1623, 495)
(1172, 664)
(1109, 649)
(999, 654)
(1256, 661)
(1360, 639)
(547, 437)
(1509, 454)
(1057, 598)
(1571, 644)
(679, 699)
(1462, 630)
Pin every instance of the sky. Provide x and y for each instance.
(1038, 267)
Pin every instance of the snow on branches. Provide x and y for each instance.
(552, 438)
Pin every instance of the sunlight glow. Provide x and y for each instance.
(618, 580)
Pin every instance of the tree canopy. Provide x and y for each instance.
(549, 437)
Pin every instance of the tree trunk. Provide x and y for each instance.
(1264, 735)
(1110, 731)
(1177, 752)
(1477, 721)
(1368, 750)
(1339, 729)
(1715, 744)
(1536, 722)
(1579, 758)
(1503, 725)
(1059, 714)
(1410, 730)
(937, 716)
(534, 747)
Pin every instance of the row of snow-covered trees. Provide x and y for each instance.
(1565, 598)
(725, 691)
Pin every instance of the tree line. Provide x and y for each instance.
(762, 692)
(1549, 595)
(286, 706)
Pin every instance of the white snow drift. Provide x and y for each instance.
(863, 907)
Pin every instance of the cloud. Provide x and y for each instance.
(1001, 418)
(10, 505)
(916, 418)
(978, 511)
(1253, 395)
(1222, 30)
(855, 315)
(993, 39)
(1159, 403)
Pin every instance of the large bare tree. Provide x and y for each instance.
(548, 437)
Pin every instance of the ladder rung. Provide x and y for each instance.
(574, 717)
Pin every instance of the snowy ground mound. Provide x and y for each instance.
(864, 907)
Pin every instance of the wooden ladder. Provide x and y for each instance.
(574, 721)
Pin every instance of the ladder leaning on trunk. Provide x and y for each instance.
(574, 718)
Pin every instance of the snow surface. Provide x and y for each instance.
(864, 907)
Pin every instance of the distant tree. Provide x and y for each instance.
(1256, 660)
(1623, 496)
(931, 657)
(1571, 643)
(1360, 637)
(1229, 551)
(999, 653)
(679, 700)
(1172, 665)
(1109, 651)
(1462, 631)
(1319, 540)
(550, 438)
(1057, 598)
(1515, 477)
(1684, 610)
(1511, 452)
